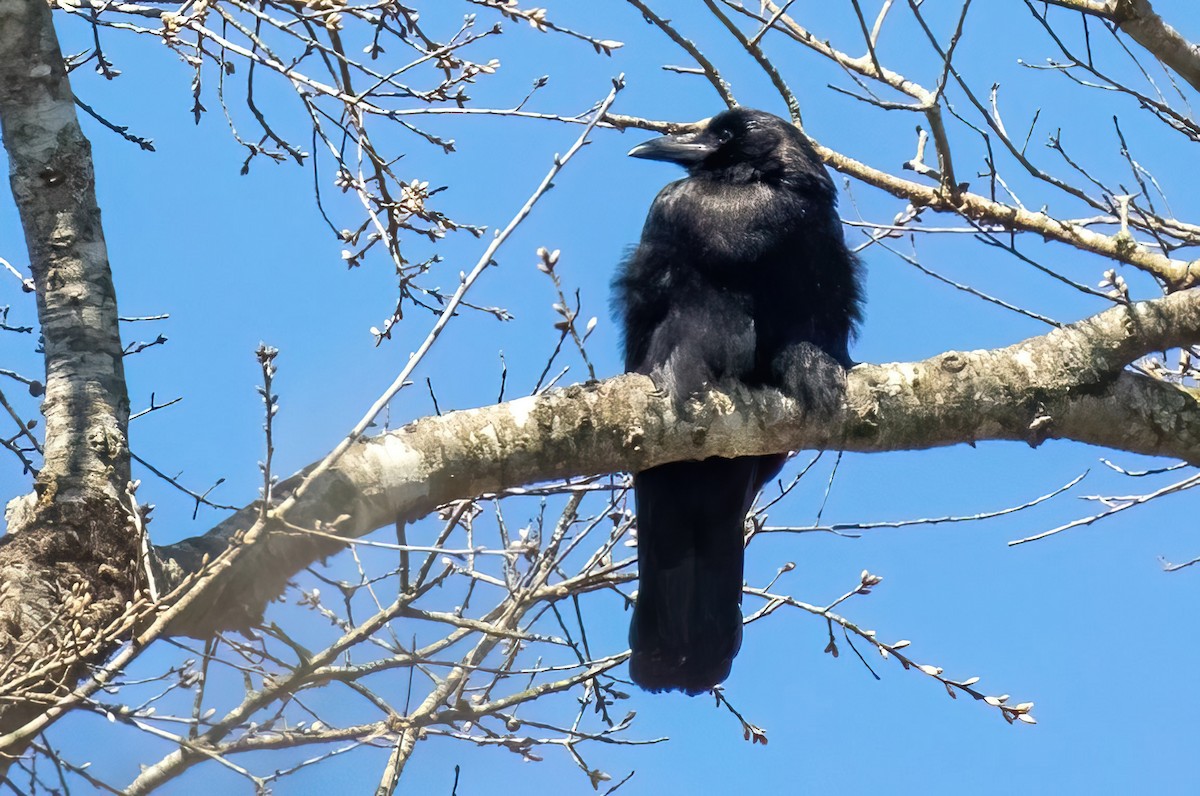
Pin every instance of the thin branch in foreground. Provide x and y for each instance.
(1121, 504)
(266, 361)
(750, 732)
(1011, 713)
(1169, 567)
(27, 284)
(483, 263)
(199, 497)
(714, 77)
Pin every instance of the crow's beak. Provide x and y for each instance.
(684, 149)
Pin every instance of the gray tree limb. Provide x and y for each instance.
(1067, 384)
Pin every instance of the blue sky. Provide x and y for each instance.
(1086, 624)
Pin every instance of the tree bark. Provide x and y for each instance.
(66, 565)
(1068, 384)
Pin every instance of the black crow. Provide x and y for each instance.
(741, 275)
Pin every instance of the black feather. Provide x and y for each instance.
(742, 274)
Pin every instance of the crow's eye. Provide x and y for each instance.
(725, 136)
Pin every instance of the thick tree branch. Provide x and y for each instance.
(1100, 8)
(1064, 385)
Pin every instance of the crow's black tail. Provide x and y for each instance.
(687, 623)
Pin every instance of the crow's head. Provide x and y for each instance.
(742, 145)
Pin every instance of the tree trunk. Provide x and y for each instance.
(67, 564)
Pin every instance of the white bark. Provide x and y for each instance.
(1067, 384)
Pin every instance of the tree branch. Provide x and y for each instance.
(1120, 247)
(1066, 384)
(1139, 21)
(946, 198)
